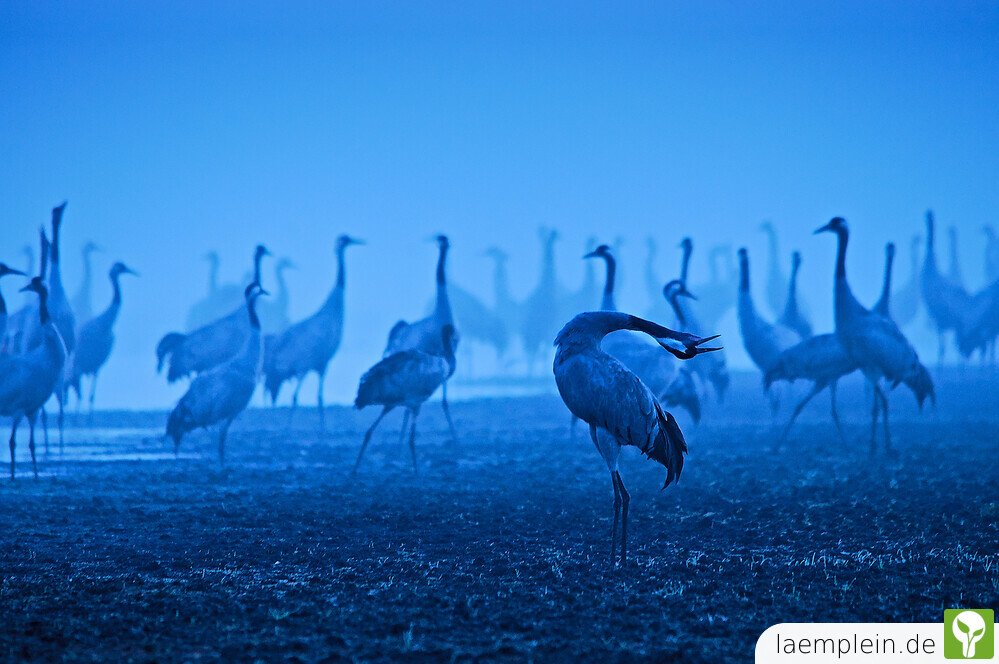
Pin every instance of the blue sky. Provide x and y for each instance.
(176, 128)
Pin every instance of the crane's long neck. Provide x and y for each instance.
(43, 309)
(334, 301)
(843, 300)
(442, 307)
(792, 287)
(955, 267)
(747, 310)
(930, 260)
(548, 262)
(607, 303)
(886, 283)
(213, 276)
(250, 356)
(673, 298)
(116, 298)
(688, 249)
(584, 332)
(257, 257)
(501, 287)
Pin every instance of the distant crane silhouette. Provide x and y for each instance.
(4, 271)
(406, 378)
(585, 298)
(602, 392)
(820, 359)
(906, 300)
(945, 300)
(792, 318)
(883, 306)
(218, 302)
(479, 323)
(710, 368)
(954, 271)
(682, 390)
(219, 395)
(96, 338)
(273, 312)
(776, 288)
(210, 345)
(504, 306)
(716, 296)
(81, 303)
(61, 314)
(991, 254)
(764, 341)
(27, 380)
(425, 334)
(541, 312)
(309, 345)
(873, 341)
(980, 322)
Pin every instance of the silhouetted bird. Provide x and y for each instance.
(945, 300)
(28, 379)
(220, 394)
(406, 378)
(792, 318)
(219, 301)
(425, 334)
(81, 303)
(710, 368)
(602, 392)
(96, 338)
(541, 308)
(905, 301)
(210, 345)
(309, 345)
(776, 282)
(873, 341)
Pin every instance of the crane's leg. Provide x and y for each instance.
(412, 438)
(447, 413)
(625, 500)
(294, 401)
(319, 400)
(367, 438)
(617, 517)
(93, 393)
(884, 410)
(31, 442)
(60, 397)
(45, 428)
(13, 433)
(222, 434)
(816, 388)
(835, 415)
(405, 427)
(610, 451)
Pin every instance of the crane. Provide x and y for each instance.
(81, 303)
(27, 380)
(873, 341)
(96, 338)
(310, 344)
(210, 345)
(217, 302)
(425, 334)
(945, 300)
(406, 378)
(541, 308)
(792, 318)
(710, 368)
(221, 393)
(775, 283)
(602, 392)
(905, 300)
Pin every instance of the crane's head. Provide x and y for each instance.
(767, 226)
(835, 225)
(686, 346)
(90, 247)
(676, 287)
(36, 286)
(253, 291)
(890, 250)
(260, 252)
(442, 242)
(603, 251)
(120, 268)
(57, 213)
(686, 244)
(795, 260)
(345, 241)
(212, 257)
(5, 270)
(496, 254)
(285, 264)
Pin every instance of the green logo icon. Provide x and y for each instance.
(969, 633)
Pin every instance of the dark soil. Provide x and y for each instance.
(498, 551)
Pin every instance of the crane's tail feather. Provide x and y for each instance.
(668, 447)
(166, 347)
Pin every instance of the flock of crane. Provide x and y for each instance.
(620, 386)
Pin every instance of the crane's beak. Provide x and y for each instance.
(352, 240)
(823, 229)
(686, 293)
(592, 254)
(132, 272)
(11, 270)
